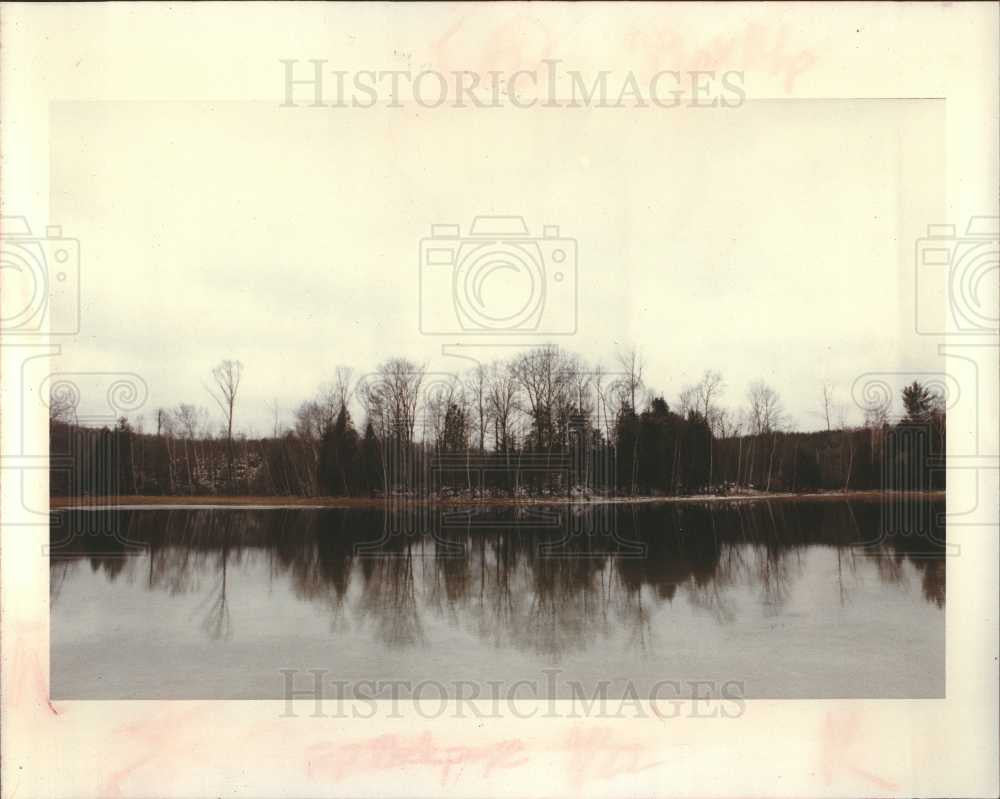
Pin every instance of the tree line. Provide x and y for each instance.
(540, 423)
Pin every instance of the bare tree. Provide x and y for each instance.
(477, 394)
(62, 409)
(629, 384)
(227, 376)
(325, 405)
(632, 365)
(502, 397)
(767, 413)
(767, 417)
(402, 380)
(578, 381)
(314, 416)
(164, 423)
(438, 400)
(876, 414)
(607, 410)
(275, 410)
(541, 376)
(707, 392)
(188, 421)
(390, 398)
(687, 400)
(842, 412)
(310, 418)
(343, 386)
(826, 404)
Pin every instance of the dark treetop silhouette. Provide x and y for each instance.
(539, 424)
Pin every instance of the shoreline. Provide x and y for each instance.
(269, 503)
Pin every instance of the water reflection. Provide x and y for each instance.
(532, 586)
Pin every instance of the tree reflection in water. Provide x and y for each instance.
(504, 576)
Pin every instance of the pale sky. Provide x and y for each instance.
(771, 241)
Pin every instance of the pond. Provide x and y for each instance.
(790, 599)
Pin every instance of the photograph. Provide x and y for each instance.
(628, 432)
(443, 391)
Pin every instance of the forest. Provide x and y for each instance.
(541, 423)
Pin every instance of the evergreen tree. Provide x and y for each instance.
(338, 456)
(455, 432)
(345, 439)
(627, 449)
(918, 401)
(326, 470)
(370, 463)
(698, 441)
(656, 446)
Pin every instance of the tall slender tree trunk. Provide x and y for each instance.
(770, 462)
(229, 447)
(850, 462)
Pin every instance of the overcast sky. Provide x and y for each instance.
(771, 241)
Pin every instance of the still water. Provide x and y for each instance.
(794, 599)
